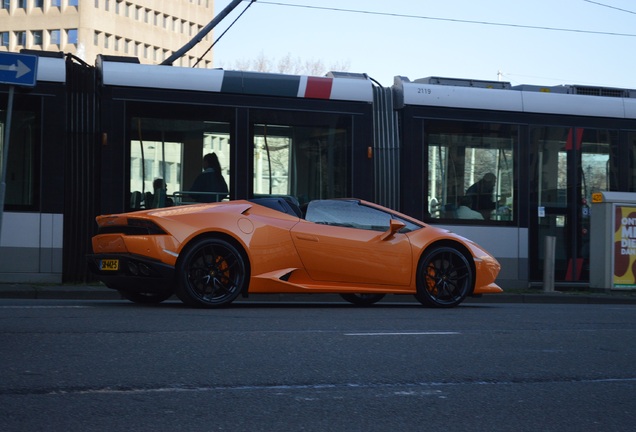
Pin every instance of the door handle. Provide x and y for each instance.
(307, 237)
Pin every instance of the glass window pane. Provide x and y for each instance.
(72, 36)
(20, 38)
(347, 214)
(307, 162)
(471, 170)
(37, 37)
(159, 151)
(55, 37)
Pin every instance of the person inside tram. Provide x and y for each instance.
(465, 212)
(159, 198)
(481, 195)
(209, 186)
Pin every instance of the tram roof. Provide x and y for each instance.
(501, 96)
(334, 86)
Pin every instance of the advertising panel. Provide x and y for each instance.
(624, 247)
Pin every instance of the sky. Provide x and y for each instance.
(540, 42)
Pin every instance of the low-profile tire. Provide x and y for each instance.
(362, 299)
(145, 298)
(444, 277)
(211, 273)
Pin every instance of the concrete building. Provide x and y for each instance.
(150, 30)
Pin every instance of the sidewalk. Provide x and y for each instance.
(100, 292)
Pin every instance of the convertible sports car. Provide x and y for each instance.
(209, 254)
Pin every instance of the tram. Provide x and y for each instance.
(102, 135)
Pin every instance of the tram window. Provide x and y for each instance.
(471, 170)
(172, 151)
(307, 162)
(599, 166)
(21, 183)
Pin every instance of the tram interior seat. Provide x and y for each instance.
(148, 198)
(450, 211)
(135, 200)
(285, 204)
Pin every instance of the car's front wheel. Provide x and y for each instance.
(444, 277)
(362, 299)
(211, 273)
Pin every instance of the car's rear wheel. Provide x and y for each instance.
(444, 277)
(145, 298)
(362, 299)
(211, 273)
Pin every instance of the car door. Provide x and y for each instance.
(345, 241)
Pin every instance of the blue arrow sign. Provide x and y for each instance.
(18, 69)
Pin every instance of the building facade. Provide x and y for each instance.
(150, 30)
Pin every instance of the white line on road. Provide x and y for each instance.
(45, 307)
(403, 333)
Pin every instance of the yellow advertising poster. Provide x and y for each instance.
(624, 247)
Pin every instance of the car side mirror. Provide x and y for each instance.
(394, 226)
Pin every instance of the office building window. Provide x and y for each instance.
(20, 38)
(71, 36)
(37, 37)
(4, 38)
(21, 4)
(5, 4)
(73, 3)
(55, 37)
(38, 3)
(56, 3)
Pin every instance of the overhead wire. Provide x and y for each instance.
(454, 20)
(222, 34)
(609, 6)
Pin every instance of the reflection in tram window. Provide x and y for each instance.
(470, 166)
(307, 162)
(172, 150)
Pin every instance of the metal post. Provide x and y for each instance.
(5, 155)
(548, 264)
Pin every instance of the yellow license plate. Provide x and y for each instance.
(109, 264)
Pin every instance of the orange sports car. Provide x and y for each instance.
(209, 254)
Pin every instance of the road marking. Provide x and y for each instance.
(403, 333)
(45, 307)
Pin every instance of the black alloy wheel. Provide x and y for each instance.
(211, 273)
(444, 277)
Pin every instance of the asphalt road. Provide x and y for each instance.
(72, 365)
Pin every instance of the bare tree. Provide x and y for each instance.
(287, 64)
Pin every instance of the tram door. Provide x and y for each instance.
(567, 165)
